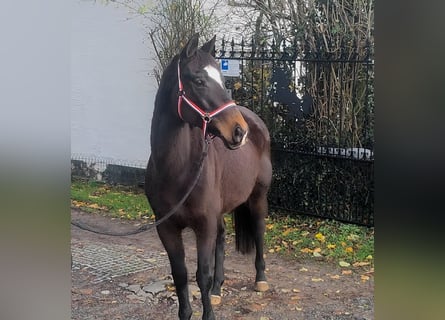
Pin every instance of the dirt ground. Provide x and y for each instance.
(308, 289)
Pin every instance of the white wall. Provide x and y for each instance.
(112, 93)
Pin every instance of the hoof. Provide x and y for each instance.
(261, 286)
(215, 300)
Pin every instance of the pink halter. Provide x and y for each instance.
(205, 116)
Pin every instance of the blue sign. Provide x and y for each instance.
(224, 64)
(230, 67)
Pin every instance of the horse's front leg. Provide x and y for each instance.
(206, 240)
(219, 263)
(172, 240)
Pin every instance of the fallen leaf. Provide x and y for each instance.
(306, 250)
(317, 279)
(170, 287)
(346, 272)
(349, 250)
(331, 246)
(361, 264)
(303, 269)
(364, 278)
(344, 264)
(317, 255)
(336, 276)
(288, 230)
(319, 236)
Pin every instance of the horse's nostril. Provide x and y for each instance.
(238, 134)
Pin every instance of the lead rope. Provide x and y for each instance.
(150, 226)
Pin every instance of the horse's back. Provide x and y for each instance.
(259, 136)
(258, 132)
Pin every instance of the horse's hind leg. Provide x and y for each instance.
(172, 240)
(258, 210)
(218, 279)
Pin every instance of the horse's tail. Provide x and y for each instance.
(244, 229)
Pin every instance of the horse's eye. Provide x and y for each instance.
(199, 82)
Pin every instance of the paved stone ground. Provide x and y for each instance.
(109, 261)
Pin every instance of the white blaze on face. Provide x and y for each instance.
(214, 74)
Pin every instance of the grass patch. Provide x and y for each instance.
(116, 201)
(302, 236)
(296, 236)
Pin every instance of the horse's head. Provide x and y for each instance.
(203, 100)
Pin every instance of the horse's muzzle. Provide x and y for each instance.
(231, 128)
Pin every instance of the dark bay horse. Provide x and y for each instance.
(192, 108)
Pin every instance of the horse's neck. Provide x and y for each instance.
(175, 146)
(176, 149)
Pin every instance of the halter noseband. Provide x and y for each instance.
(205, 116)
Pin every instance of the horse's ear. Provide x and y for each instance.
(210, 46)
(191, 47)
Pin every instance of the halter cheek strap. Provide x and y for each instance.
(205, 116)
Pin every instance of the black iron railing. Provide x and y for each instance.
(319, 108)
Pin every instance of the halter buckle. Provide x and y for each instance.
(206, 117)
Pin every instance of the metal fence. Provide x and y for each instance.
(319, 108)
(108, 170)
